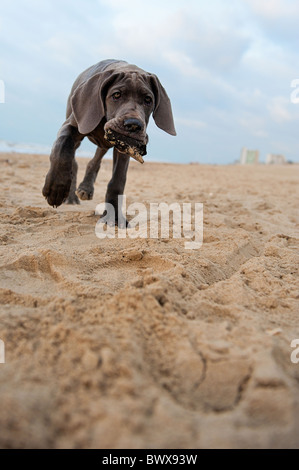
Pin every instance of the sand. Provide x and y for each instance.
(122, 343)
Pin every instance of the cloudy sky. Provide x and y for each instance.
(227, 68)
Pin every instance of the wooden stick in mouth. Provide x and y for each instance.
(127, 145)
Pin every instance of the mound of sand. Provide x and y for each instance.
(122, 343)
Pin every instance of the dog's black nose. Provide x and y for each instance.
(133, 125)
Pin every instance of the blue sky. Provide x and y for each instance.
(227, 67)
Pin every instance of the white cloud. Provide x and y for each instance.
(253, 124)
(279, 109)
(184, 64)
(192, 123)
(61, 48)
(274, 9)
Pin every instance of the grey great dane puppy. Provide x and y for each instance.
(109, 97)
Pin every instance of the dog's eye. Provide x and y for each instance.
(116, 95)
(148, 100)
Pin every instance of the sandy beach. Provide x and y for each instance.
(140, 343)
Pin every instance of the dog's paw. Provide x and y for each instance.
(57, 188)
(110, 219)
(85, 192)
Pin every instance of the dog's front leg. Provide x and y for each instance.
(86, 188)
(59, 178)
(115, 188)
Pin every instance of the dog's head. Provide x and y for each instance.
(125, 99)
(129, 102)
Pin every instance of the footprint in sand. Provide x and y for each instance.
(116, 271)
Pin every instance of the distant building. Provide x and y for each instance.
(249, 157)
(273, 159)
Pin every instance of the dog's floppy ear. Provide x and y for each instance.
(162, 113)
(88, 101)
